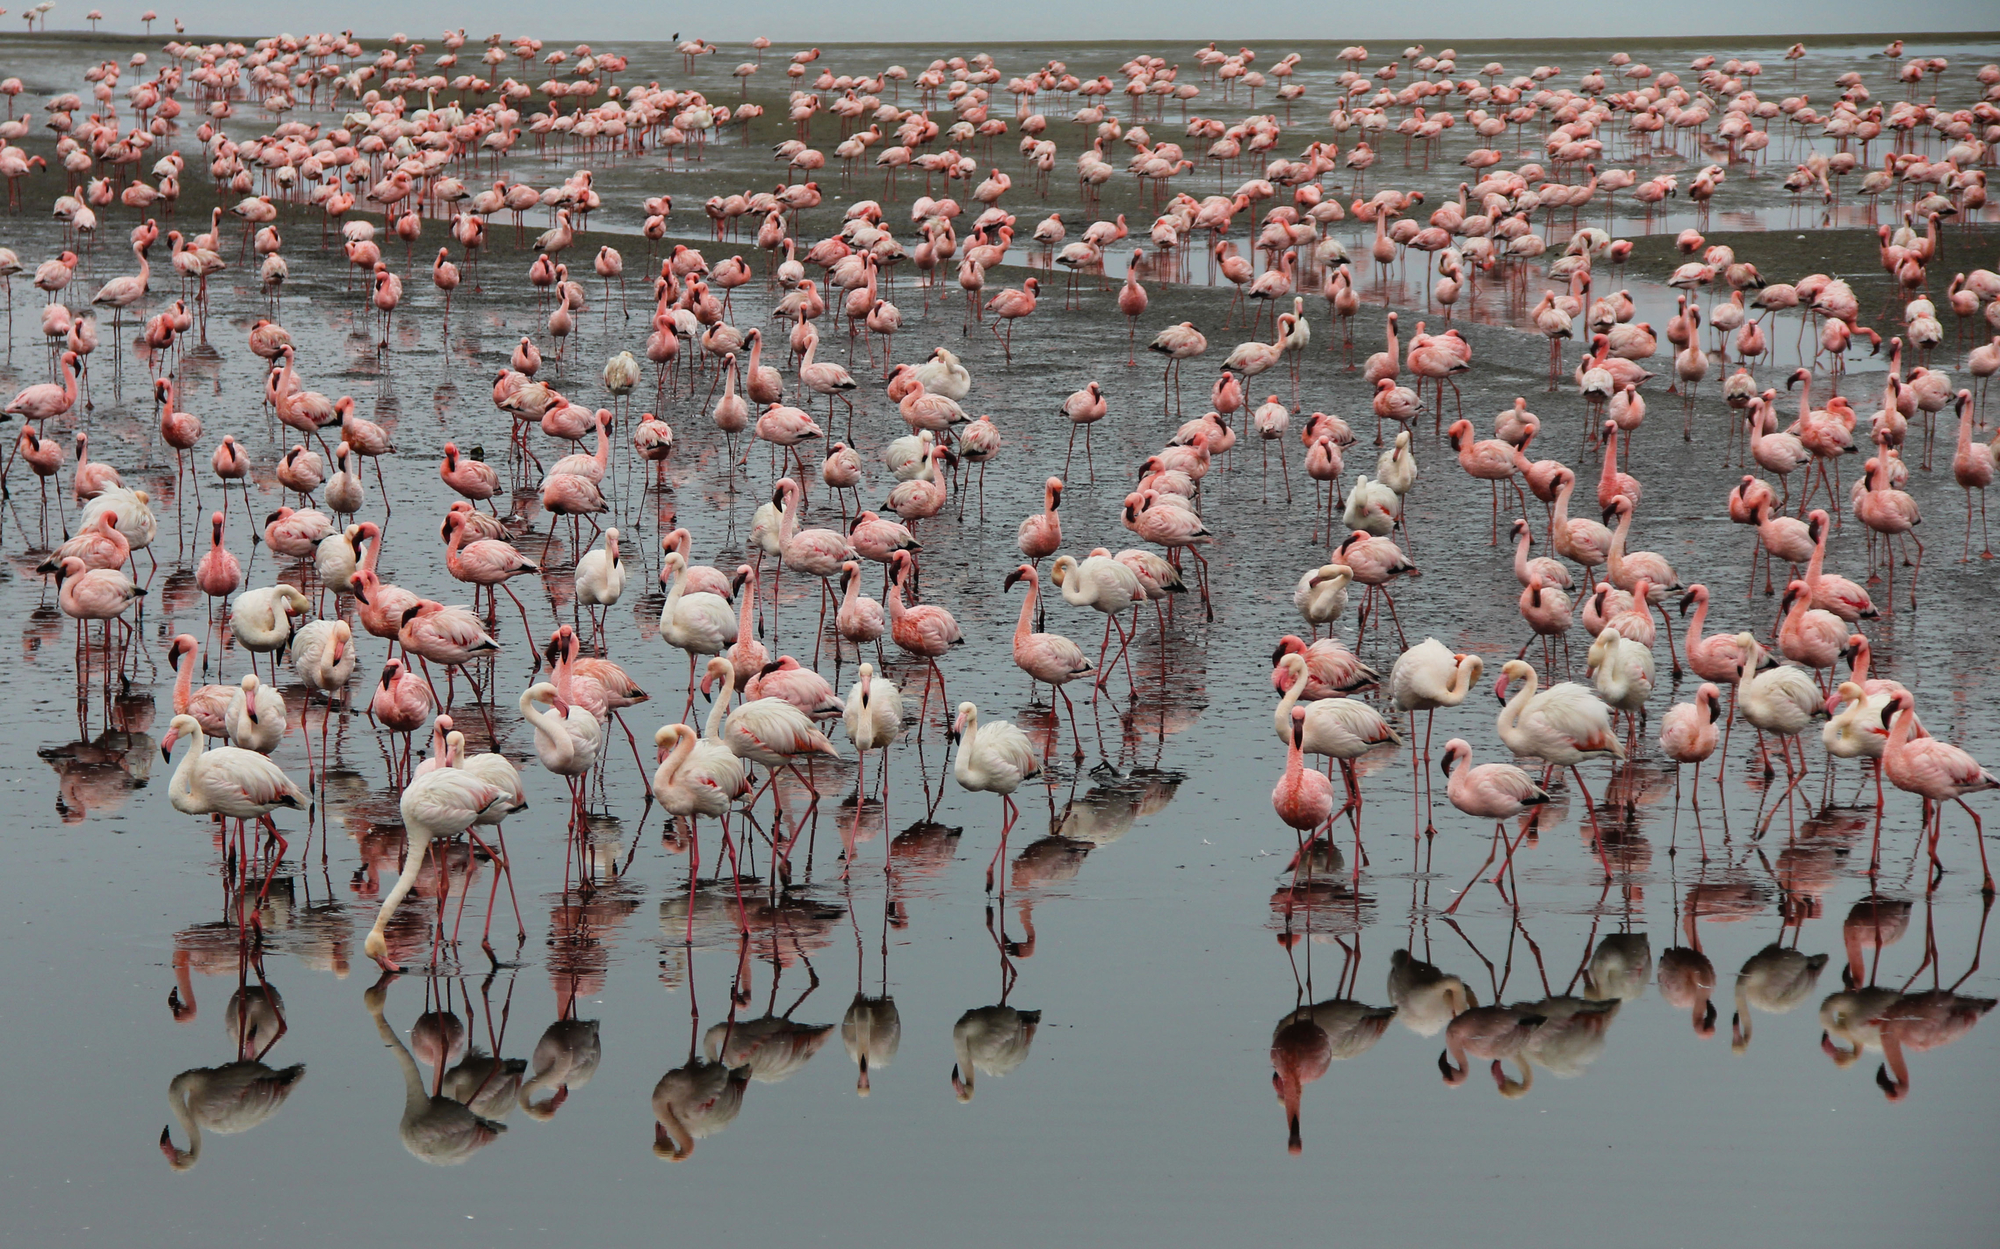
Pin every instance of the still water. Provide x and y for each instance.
(1107, 1046)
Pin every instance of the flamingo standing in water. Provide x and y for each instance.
(924, 630)
(1937, 771)
(873, 719)
(441, 803)
(993, 758)
(1132, 303)
(1490, 791)
(1047, 657)
(1562, 726)
(1009, 306)
(233, 783)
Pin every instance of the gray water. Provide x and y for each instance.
(1145, 909)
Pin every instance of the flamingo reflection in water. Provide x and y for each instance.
(240, 1094)
(992, 1040)
(435, 1128)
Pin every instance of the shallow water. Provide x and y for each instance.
(1145, 909)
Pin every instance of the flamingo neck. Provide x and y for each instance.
(1291, 700)
(1025, 627)
(720, 712)
(674, 762)
(417, 844)
(1510, 715)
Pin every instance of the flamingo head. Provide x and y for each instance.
(1889, 709)
(1454, 750)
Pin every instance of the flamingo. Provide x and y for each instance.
(1937, 771)
(1490, 791)
(1046, 657)
(441, 803)
(993, 758)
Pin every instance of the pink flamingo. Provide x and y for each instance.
(1838, 595)
(1489, 460)
(1009, 306)
(1303, 797)
(1488, 791)
(1132, 303)
(474, 479)
(90, 478)
(451, 636)
(179, 429)
(401, 704)
(1890, 513)
(1339, 728)
(815, 552)
(924, 630)
(487, 562)
(1084, 408)
(218, 574)
(1687, 735)
(121, 293)
(1972, 468)
(1040, 534)
(1173, 528)
(209, 705)
(1047, 657)
(1937, 771)
(1177, 343)
(98, 544)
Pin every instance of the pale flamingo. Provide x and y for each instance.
(1426, 677)
(694, 621)
(993, 758)
(874, 720)
(232, 783)
(1109, 586)
(1562, 726)
(443, 803)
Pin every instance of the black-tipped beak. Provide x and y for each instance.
(1686, 600)
(1714, 711)
(1012, 577)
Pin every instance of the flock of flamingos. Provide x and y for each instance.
(401, 135)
